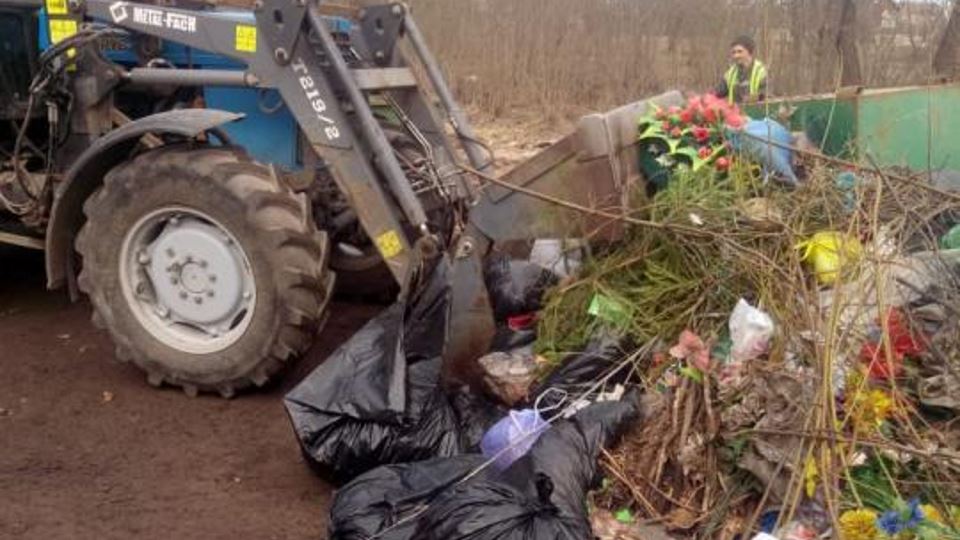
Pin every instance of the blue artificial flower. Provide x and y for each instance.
(894, 522)
(915, 516)
(890, 522)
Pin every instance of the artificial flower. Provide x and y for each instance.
(893, 522)
(860, 524)
(932, 514)
(692, 349)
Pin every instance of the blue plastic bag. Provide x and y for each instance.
(512, 437)
(755, 141)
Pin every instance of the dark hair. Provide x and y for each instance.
(746, 42)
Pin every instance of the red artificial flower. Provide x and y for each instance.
(902, 342)
(701, 134)
(665, 126)
(734, 120)
(722, 164)
(676, 133)
(710, 115)
(674, 110)
(704, 152)
(687, 116)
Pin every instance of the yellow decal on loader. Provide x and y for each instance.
(389, 244)
(56, 7)
(246, 38)
(61, 29)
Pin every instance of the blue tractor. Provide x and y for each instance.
(201, 174)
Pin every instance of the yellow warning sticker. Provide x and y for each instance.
(61, 29)
(246, 38)
(56, 7)
(389, 244)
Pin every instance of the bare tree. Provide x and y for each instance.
(851, 74)
(946, 62)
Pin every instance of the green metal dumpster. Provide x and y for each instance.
(916, 127)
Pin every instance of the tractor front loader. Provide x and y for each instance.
(203, 173)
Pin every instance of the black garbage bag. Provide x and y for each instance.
(377, 401)
(381, 501)
(540, 497)
(579, 372)
(516, 287)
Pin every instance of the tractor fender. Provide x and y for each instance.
(87, 172)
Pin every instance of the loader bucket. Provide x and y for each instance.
(596, 166)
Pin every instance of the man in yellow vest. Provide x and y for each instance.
(746, 80)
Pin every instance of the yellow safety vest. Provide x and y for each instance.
(757, 75)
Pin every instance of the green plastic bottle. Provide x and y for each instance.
(951, 240)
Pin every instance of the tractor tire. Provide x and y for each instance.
(207, 272)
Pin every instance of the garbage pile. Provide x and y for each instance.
(771, 352)
(803, 373)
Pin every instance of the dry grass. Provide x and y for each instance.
(560, 57)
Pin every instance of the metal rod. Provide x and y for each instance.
(190, 77)
(371, 130)
(22, 241)
(475, 152)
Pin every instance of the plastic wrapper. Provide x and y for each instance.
(830, 253)
(750, 330)
(512, 437)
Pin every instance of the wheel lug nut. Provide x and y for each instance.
(183, 295)
(203, 264)
(174, 281)
(209, 294)
(171, 253)
(189, 258)
(213, 278)
(198, 300)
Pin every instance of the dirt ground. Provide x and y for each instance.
(89, 450)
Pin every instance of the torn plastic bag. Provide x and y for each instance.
(516, 287)
(767, 142)
(540, 497)
(512, 437)
(364, 407)
(383, 497)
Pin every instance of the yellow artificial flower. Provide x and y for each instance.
(859, 524)
(931, 513)
(869, 410)
(811, 473)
